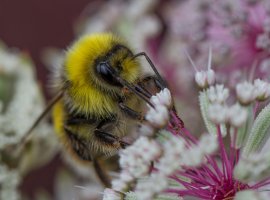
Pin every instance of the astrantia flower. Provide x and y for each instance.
(173, 163)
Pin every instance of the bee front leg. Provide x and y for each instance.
(148, 79)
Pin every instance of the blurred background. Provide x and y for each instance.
(34, 35)
(32, 26)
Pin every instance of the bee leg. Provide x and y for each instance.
(147, 80)
(101, 173)
(110, 139)
(160, 79)
(80, 147)
(79, 120)
(130, 112)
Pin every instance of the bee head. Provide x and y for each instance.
(101, 60)
(119, 64)
(108, 74)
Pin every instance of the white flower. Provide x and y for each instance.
(205, 78)
(136, 159)
(119, 185)
(208, 143)
(261, 89)
(193, 157)
(110, 194)
(217, 94)
(164, 97)
(125, 176)
(148, 187)
(158, 117)
(237, 115)
(217, 113)
(149, 150)
(196, 154)
(146, 130)
(172, 150)
(245, 92)
(253, 167)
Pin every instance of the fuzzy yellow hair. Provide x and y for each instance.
(88, 92)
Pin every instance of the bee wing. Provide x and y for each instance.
(53, 59)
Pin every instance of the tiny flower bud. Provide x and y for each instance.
(217, 94)
(165, 98)
(205, 78)
(261, 89)
(217, 113)
(245, 93)
(158, 116)
(237, 115)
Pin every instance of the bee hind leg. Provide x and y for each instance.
(110, 139)
(80, 147)
(101, 173)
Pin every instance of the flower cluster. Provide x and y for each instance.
(20, 104)
(149, 162)
(171, 163)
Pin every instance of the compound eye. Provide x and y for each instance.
(105, 72)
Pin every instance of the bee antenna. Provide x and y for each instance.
(163, 83)
(41, 116)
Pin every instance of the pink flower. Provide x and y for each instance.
(237, 31)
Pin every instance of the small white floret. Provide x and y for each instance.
(217, 94)
(205, 78)
(237, 115)
(261, 89)
(217, 113)
(110, 194)
(245, 92)
(208, 143)
(165, 97)
(158, 116)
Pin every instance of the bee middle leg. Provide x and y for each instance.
(80, 146)
(109, 138)
(130, 112)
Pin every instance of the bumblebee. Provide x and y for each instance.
(101, 89)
